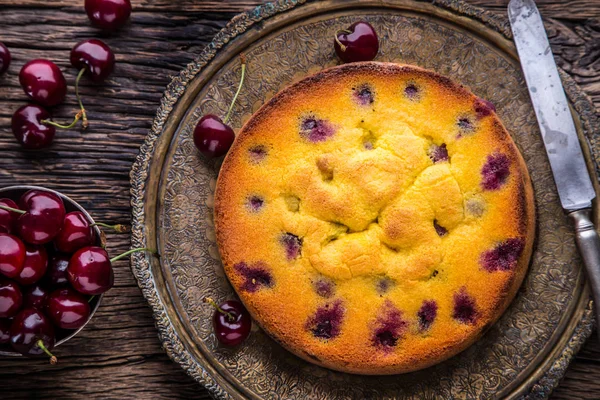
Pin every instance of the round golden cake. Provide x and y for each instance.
(375, 218)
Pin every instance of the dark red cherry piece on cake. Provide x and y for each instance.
(212, 136)
(29, 128)
(5, 58)
(358, 42)
(108, 15)
(43, 82)
(231, 322)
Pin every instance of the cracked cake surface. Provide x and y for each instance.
(375, 218)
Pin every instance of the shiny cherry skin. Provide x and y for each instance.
(232, 331)
(8, 219)
(361, 44)
(57, 270)
(11, 298)
(212, 136)
(108, 15)
(28, 128)
(68, 309)
(12, 255)
(5, 330)
(5, 58)
(95, 56)
(28, 327)
(76, 233)
(35, 296)
(43, 82)
(90, 271)
(34, 268)
(43, 219)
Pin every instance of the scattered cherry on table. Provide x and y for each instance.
(212, 136)
(5, 58)
(108, 15)
(43, 82)
(358, 42)
(231, 321)
(29, 128)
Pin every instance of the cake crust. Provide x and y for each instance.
(375, 218)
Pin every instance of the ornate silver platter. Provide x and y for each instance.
(523, 355)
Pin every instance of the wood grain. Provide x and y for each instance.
(119, 355)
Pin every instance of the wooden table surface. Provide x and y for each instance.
(118, 355)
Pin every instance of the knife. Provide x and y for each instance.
(572, 179)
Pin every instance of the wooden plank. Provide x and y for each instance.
(119, 355)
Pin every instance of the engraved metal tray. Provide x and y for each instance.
(523, 355)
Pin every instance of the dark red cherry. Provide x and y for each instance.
(11, 298)
(5, 331)
(76, 233)
(12, 255)
(32, 334)
(231, 322)
(5, 58)
(357, 43)
(43, 82)
(90, 271)
(213, 137)
(8, 218)
(43, 218)
(28, 128)
(35, 296)
(108, 15)
(57, 270)
(34, 268)
(68, 309)
(26, 196)
(95, 56)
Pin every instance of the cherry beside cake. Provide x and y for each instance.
(375, 218)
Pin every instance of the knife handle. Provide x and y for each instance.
(588, 242)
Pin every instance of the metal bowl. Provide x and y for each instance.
(15, 192)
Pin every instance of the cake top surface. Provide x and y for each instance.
(375, 218)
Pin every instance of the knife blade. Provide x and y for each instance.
(551, 107)
(559, 133)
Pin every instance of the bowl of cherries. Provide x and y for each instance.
(53, 270)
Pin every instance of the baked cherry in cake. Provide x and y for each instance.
(375, 218)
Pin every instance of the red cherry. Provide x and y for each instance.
(5, 331)
(57, 270)
(8, 218)
(212, 137)
(11, 298)
(231, 322)
(12, 255)
(95, 56)
(32, 334)
(76, 233)
(68, 309)
(90, 271)
(5, 58)
(35, 296)
(26, 196)
(43, 82)
(43, 217)
(108, 15)
(28, 128)
(357, 43)
(34, 268)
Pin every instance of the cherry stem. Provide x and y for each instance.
(243, 61)
(229, 315)
(55, 124)
(16, 210)
(347, 32)
(112, 260)
(53, 359)
(84, 119)
(91, 298)
(117, 228)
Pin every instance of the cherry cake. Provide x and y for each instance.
(375, 218)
